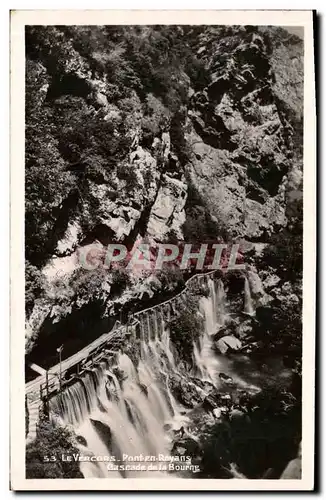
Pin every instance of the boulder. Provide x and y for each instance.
(186, 392)
(227, 343)
(186, 447)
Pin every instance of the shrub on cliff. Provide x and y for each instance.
(47, 184)
(120, 280)
(155, 120)
(43, 456)
(285, 251)
(200, 227)
(104, 138)
(198, 289)
(89, 285)
(278, 329)
(170, 277)
(185, 329)
(97, 285)
(34, 286)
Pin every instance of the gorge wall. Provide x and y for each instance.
(156, 134)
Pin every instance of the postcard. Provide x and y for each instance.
(163, 242)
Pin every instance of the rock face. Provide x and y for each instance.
(168, 212)
(239, 135)
(120, 203)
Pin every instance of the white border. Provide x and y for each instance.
(285, 18)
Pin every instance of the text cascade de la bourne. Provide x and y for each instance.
(160, 462)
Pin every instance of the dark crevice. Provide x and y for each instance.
(68, 84)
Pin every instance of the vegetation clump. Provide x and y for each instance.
(44, 454)
(185, 329)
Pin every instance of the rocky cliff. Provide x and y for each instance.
(155, 133)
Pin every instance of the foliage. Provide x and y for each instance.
(34, 286)
(51, 441)
(177, 134)
(285, 254)
(125, 172)
(95, 285)
(155, 119)
(88, 284)
(279, 330)
(120, 280)
(199, 226)
(50, 45)
(197, 289)
(77, 143)
(170, 277)
(185, 329)
(47, 184)
(197, 72)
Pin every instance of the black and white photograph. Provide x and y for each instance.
(164, 176)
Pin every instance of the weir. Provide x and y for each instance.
(133, 404)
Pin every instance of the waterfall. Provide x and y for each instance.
(221, 303)
(127, 367)
(212, 309)
(142, 330)
(123, 409)
(166, 344)
(248, 302)
(208, 364)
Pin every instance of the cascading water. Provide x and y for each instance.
(212, 309)
(125, 410)
(220, 303)
(132, 404)
(208, 364)
(248, 302)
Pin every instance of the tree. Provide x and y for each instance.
(34, 286)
